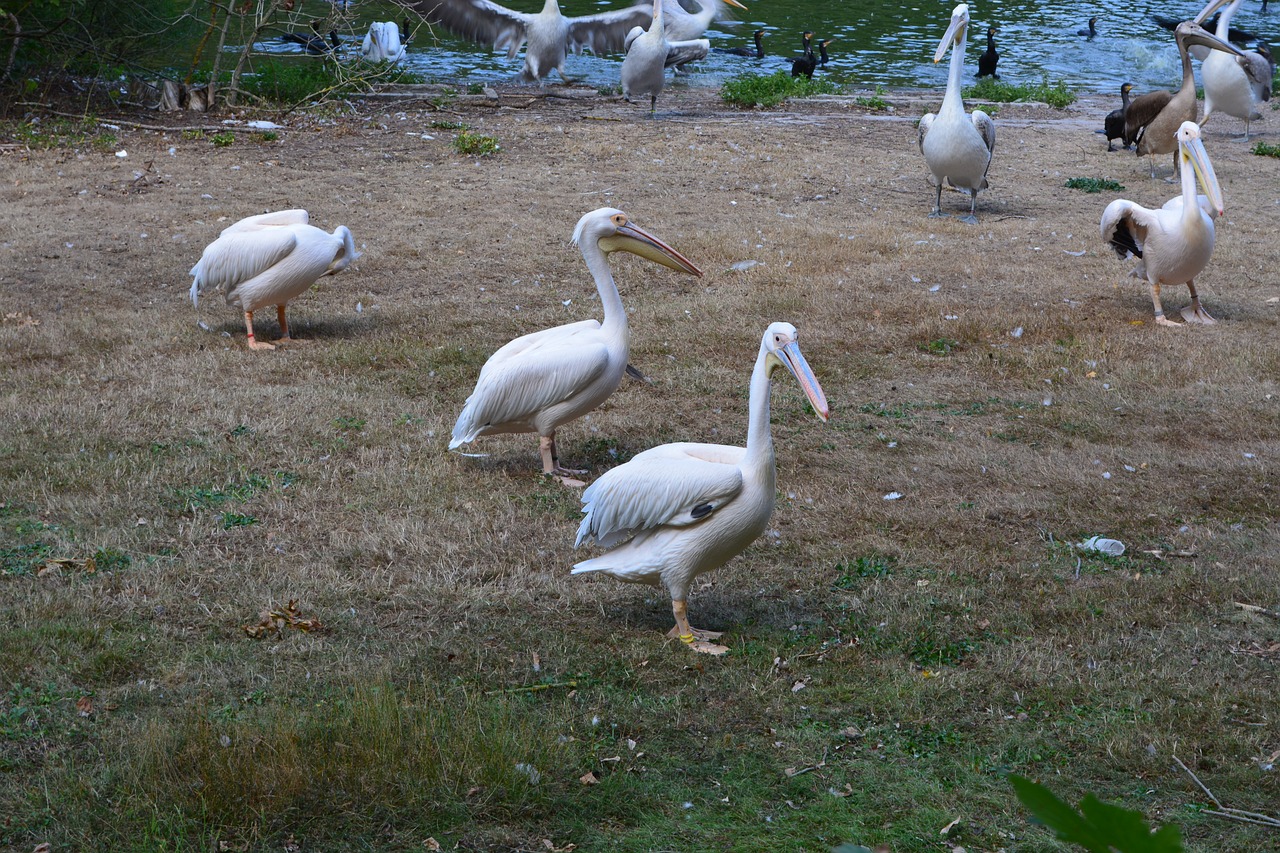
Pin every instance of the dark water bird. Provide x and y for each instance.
(1113, 125)
(758, 53)
(806, 63)
(822, 51)
(1089, 31)
(1153, 119)
(987, 62)
(314, 44)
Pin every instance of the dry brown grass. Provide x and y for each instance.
(117, 410)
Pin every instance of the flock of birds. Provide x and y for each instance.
(678, 510)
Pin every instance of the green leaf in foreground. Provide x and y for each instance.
(1093, 185)
(1097, 826)
(1264, 149)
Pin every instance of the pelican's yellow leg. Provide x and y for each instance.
(694, 638)
(253, 342)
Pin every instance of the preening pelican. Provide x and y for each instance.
(650, 54)
(1113, 124)
(383, 43)
(987, 62)
(1153, 119)
(678, 510)
(549, 33)
(957, 147)
(269, 259)
(1176, 241)
(1235, 85)
(543, 380)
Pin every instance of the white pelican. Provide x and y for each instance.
(549, 33)
(1235, 85)
(1153, 119)
(382, 43)
(543, 380)
(1176, 241)
(650, 54)
(683, 25)
(269, 259)
(678, 510)
(957, 147)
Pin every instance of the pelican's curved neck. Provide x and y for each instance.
(1188, 78)
(952, 100)
(551, 7)
(598, 263)
(1224, 21)
(759, 436)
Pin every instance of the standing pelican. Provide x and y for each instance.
(1235, 85)
(383, 42)
(543, 380)
(549, 33)
(957, 147)
(1153, 119)
(1176, 241)
(679, 510)
(650, 54)
(269, 259)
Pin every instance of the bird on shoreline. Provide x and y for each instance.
(987, 62)
(383, 42)
(1234, 85)
(957, 147)
(823, 59)
(541, 381)
(550, 35)
(806, 63)
(650, 54)
(1113, 125)
(678, 510)
(1175, 242)
(270, 259)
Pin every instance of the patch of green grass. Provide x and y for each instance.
(232, 520)
(875, 102)
(939, 346)
(111, 560)
(475, 89)
(193, 133)
(475, 144)
(293, 81)
(1093, 185)
(850, 575)
(54, 132)
(768, 90)
(264, 136)
(223, 139)
(1266, 149)
(1055, 94)
(447, 124)
(208, 497)
(349, 424)
(930, 649)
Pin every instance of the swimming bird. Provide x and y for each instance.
(823, 59)
(806, 63)
(987, 62)
(314, 44)
(1174, 242)
(1153, 119)
(650, 54)
(1113, 125)
(1089, 31)
(383, 43)
(550, 34)
(1235, 85)
(269, 259)
(758, 53)
(678, 510)
(957, 147)
(541, 381)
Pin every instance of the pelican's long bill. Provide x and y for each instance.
(1193, 150)
(1194, 34)
(735, 3)
(790, 356)
(634, 239)
(955, 32)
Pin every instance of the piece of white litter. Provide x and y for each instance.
(359, 307)
(916, 279)
(893, 496)
(935, 288)
(567, 302)
(1016, 333)
(265, 125)
(122, 153)
(951, 316)
(1249, 456)
(1130, 469)
(743, 266)
(1074, 254)
(173, 152)
(1106, 475)
(202, 324)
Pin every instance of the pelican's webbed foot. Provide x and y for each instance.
(1193, 313)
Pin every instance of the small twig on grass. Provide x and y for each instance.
(1229, 813)
(531, 688)
(1253, 608)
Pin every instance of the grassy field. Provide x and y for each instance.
(891, 660)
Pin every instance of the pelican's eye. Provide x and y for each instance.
(619, 219)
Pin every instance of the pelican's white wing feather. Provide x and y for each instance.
(673, 485)
(605, 32)
(268, 220)
(1124, 226)
(1259, 72)
(926, 122)
(480, 21)
(680, 52)
(554, 337)
(986, 129)
(238, 256)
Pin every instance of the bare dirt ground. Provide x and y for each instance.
(1006, 379)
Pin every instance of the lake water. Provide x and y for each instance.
(878, 43)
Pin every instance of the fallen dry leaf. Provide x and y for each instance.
(84, 705)
(21, 318)
(946, 829)
(275, 621)
(589, 778)
(431, 844)
(43, 848)
(87, 565)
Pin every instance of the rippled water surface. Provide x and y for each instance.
(879, 43)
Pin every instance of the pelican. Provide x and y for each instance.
(1235, 85)
(543, 380)
(1113, 124)
(269, 259)
(987, 62)
(1153, 119)
(683, 25)
(549, 33)
(650, 54)
(678, 510)
(957, 147)
(1175, 242)
(383, 42)
(1089, 31)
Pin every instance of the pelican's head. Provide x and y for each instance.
(1191, 150)
(783, 350)
(1190, 33)
(955, 32)
(611, 230)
